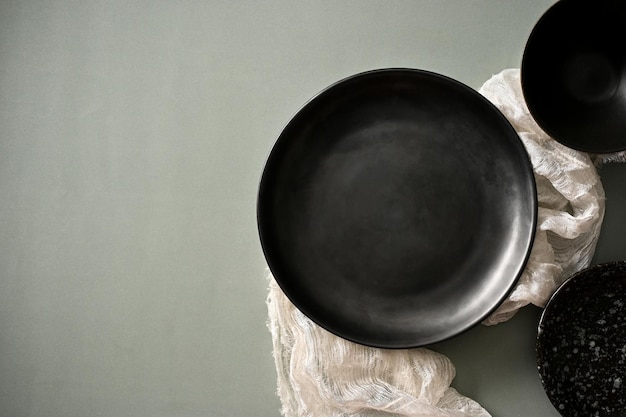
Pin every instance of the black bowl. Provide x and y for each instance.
(397, 208)
(574, 74)
(581, 344)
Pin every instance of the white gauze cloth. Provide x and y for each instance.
(322, 375)
(570, 196)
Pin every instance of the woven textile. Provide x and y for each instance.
(571, 202)
(322, 375)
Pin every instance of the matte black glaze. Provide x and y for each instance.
(573, 74)
(397, 208)
(581, 345)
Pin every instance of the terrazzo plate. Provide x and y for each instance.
(397, 208)
(581, 344)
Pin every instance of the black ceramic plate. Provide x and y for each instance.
(574, 74)
(581, 346)
(397, 208)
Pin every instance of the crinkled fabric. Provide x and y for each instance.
(570, 198)
(609, 157)
(320, 374)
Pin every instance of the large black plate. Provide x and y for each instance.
(397, 208)
(581, 345)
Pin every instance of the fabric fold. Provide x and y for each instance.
(570, 199)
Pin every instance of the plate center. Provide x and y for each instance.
(405, 221)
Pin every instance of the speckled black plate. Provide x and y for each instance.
(581, 345)
(397, 208)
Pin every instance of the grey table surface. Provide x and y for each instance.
(132, 137)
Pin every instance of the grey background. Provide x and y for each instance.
(132, 137)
